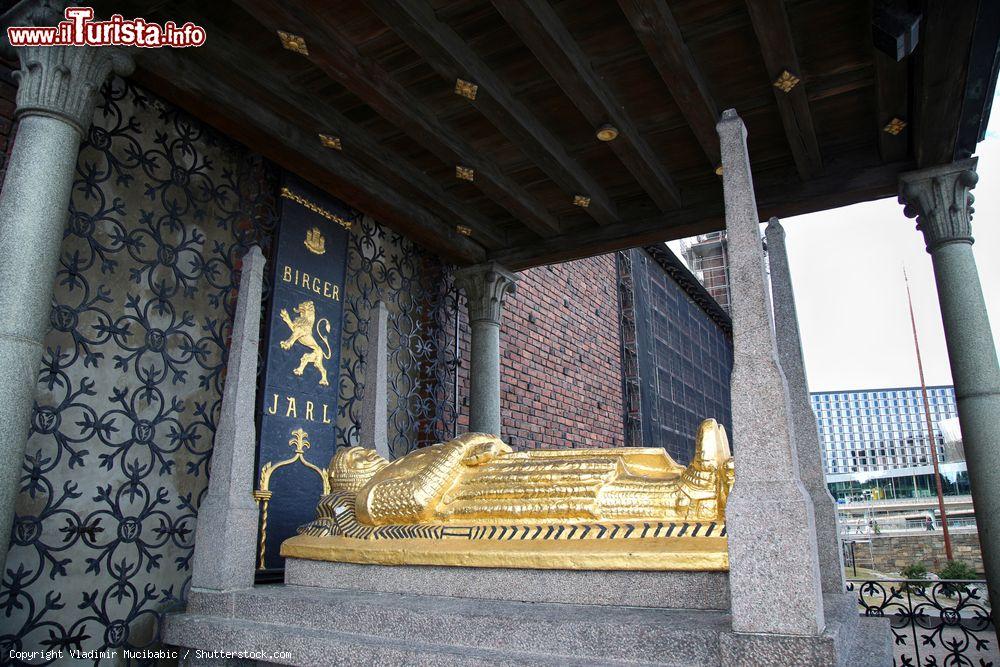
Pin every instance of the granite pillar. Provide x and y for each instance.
(940, 200)
(374, 432)
(774, 569)
(485, 287)
(807, 446)
(225, 544)
(56, 96)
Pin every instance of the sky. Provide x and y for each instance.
(847, 272)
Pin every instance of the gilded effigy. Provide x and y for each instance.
(475, 502)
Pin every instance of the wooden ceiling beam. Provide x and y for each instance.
(847, 186)
(892, 101)
(774, 34)
(452, 58)
(943, 52)
(654, 25)
(540, 28)
(980, 80)
(228, 58)
(332, 53)
(229, 109)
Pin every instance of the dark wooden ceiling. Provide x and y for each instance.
(380, 75)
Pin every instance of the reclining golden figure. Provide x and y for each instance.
(473, 501)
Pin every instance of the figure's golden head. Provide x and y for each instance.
(352, 467)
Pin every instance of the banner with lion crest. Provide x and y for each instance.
(298, 403)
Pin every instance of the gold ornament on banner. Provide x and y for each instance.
(262, 495)
(315, 242)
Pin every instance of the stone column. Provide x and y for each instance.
(485, 286)
(225, 542)
(940, 200)
(374, 433)
(56, 95)
(810, 453)
(773, 567)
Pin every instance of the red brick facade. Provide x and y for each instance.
(560, 358)
(8, 94)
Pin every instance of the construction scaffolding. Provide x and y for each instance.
(707, 255)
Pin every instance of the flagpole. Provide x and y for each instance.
(930, 426)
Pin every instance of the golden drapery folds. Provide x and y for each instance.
(474, 502)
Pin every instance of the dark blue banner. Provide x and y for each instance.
(300, 386)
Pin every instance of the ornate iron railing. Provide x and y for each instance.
(942, 623)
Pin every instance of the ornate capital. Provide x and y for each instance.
(940, 200)
(61, 81)
(485, 286)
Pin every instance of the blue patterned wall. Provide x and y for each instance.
(131, 382)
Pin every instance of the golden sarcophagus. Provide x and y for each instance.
(475, 502)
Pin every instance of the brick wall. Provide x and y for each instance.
(560, 358)
(8, 93)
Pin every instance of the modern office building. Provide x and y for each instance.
(878, 439)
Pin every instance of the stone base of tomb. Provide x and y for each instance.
(349, 614)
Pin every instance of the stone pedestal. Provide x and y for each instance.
(338, 613)
(374, 432)
(485, 287)
(807, 445)
(940, 200)
(774, 569)
(226, 537)
(56, 95)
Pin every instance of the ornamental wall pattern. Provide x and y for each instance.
(131, 382)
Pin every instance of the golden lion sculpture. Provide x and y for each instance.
(302, 332)
(474, 501)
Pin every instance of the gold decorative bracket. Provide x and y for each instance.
(786, 81)
(464, 173)
(894, 126)
(330, 141)
(466, 89)
(293, 42)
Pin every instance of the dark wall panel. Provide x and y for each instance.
(684, 356)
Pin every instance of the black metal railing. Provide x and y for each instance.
(942, 623)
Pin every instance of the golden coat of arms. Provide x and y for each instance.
(305, 329)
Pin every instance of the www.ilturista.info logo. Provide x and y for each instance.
(79, 29)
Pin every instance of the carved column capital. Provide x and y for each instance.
(941, 201)
(61, 81)
(485, 287)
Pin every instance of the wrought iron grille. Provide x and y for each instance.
(944, 623)
(419, 294)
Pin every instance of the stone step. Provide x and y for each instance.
(667, 590)
(342, 626)
(582, 632)
(269, 643)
